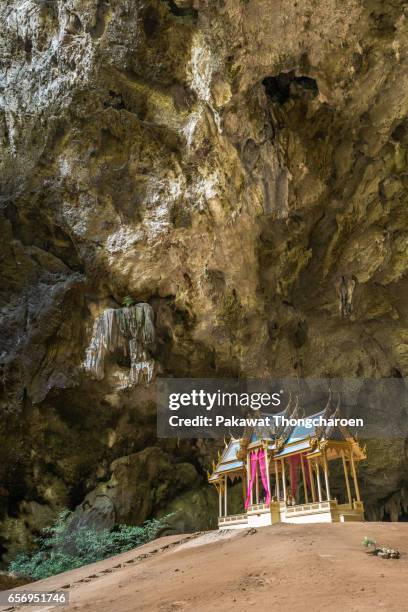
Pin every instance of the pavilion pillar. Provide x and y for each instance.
(291, 482)
(319, 484)
(257, 486)
(268, 479)
(346, 477)
(277, 481)
(225, 495)
(248, 469)
(304, 478)
(326, 475)
(283, 480)
(220, 499)
(249, 475)
(311, 476)
(353, 468)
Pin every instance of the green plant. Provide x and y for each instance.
(63, 548)
(128, 301)
(367, 542)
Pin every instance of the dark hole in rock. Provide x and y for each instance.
(115, 101)
(28, 48)
(320, 135)
(286, 85)
(383, 21)
(181, 11)
(121, 360)
(300, 335)
(150, 21)
(400, 133)
(395, 373)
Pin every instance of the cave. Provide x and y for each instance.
(286, 85)
(194, 191)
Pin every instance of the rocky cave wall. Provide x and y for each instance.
(240, 167)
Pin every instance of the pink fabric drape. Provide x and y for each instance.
(264, 474)
(253, 457)
(294, 462)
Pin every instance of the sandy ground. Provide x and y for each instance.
(284, 567)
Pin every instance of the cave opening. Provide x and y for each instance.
(286, 85)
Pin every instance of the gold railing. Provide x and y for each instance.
(346, 506)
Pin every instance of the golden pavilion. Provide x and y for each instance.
(285, 471)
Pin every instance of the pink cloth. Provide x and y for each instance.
(264, 474)
(253, 461)
(294, 462)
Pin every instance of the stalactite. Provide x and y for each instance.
(128, 330)
(397, 505)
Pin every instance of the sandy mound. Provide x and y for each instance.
(284, 567)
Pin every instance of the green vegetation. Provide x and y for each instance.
(63, 548)
(128, 301)
(367, 542)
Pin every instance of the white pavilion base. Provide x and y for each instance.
(235, 521)
(261, 515)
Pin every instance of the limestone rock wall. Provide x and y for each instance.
(240, 167)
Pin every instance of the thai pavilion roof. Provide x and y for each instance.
(301, 446)
(272, 432)
(285, 440)
(228, 461)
